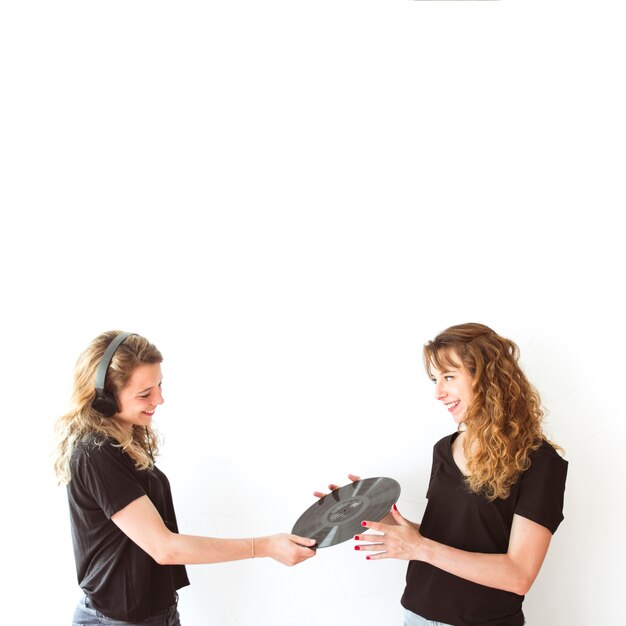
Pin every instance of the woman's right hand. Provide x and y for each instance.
(332, 487)
(286, 549)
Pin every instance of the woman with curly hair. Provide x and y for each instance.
(130, 557)
(495, 495)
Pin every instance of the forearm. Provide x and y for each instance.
(492, 570)
(191, 549)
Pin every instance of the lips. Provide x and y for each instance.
(452, 405)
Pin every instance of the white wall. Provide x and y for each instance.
(289, 199)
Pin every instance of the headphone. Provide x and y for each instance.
(105, 402)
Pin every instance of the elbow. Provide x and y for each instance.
(520, 577)
(164, 552)
(521, 586)
(163, 558)
(520, 589)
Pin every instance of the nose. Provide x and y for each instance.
(158, 399)
(440, 393)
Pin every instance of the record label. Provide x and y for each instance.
(344, 511)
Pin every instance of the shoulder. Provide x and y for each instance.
(443, 445)
(92, 442)
(547, 472)
(546, 455)
(96, 449)
(446, 441)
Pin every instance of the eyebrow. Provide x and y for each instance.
(445, 372)
(148, 388)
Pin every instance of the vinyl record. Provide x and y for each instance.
(338, 515)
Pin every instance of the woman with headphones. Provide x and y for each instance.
(130, 557)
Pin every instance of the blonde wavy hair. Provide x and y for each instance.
(82, 421)
(503, 420)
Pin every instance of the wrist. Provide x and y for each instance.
(261, 548)
(423, 550)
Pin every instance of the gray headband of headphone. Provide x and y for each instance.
(106, 361)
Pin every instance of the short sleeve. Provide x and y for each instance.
(542, 488)
(438, 453)
(107, 476)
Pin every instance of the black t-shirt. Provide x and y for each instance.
(122, 580)
(459, 518)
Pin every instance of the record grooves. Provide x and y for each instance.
(338, 515)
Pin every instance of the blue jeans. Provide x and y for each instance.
(86, 615)
(412, 619)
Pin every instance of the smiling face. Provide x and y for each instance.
(453, 386)
(140, 397)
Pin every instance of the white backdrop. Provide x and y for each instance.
(289, 199)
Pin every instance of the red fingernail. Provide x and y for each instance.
(395, 508)
(368, 557)
(357, 547)
(357, 538)
(363, 523)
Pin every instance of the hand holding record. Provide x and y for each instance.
(333, 487)
(399, 539)
(337, 516)
(286, 549)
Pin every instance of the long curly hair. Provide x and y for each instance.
(82, 421)
(503, 419)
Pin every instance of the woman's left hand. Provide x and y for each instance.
(401, 540)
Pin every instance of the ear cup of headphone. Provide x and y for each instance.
(106, 404)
